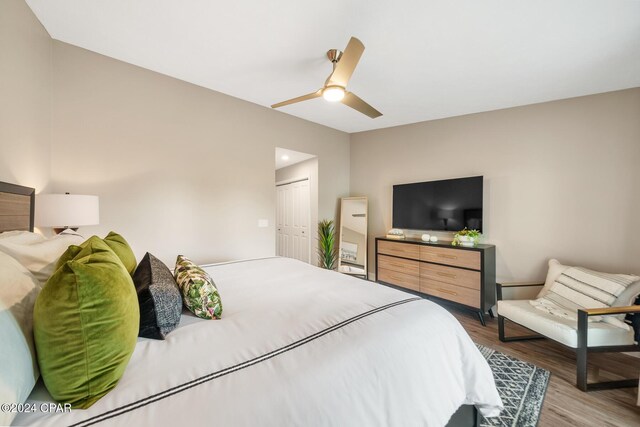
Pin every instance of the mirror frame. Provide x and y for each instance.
(365, 275)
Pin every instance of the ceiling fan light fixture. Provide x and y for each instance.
(333, 93)
(335, 87)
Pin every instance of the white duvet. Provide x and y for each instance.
(297, 346)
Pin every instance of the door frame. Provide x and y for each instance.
(292, 181)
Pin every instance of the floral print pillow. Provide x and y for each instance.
(199, 293)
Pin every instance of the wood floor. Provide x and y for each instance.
(564, 404)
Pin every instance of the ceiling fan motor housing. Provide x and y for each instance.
(334, 55)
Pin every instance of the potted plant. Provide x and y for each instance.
(327, 244)
(466, 237)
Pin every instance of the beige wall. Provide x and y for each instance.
(178, 168)
(308, 169)
(25, 96)
(183, 169)
(562, 179)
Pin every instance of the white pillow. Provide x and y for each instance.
(627, 297)
(555, 270)
(18, 369)
(24, 237)
(38, 254)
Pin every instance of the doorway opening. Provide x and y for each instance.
(296, 180)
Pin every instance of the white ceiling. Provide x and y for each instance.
(424, 59)
(286, 157)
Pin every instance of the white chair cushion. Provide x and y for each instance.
(563, 330)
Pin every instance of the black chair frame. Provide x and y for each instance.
(583, 350)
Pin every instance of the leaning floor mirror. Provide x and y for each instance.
(353, 236)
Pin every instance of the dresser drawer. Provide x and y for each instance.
(455, 257)
(462, 295)
(399, 279)
(454, 276)
(398, 264)
(405, 250)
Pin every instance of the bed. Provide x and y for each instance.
(298, 345)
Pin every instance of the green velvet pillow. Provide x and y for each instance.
(116, 242)
(86, 322)
(69, 254)
(119, 245)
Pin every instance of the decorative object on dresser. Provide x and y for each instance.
(353, 236)
(467, 238)
(396, 233)
(464, 276)
(555, 310)
(62, 211)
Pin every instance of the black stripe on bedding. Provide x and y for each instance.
(238, 261)
(209, 377)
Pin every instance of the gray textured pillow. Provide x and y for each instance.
(159, 298)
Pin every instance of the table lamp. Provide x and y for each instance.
(62, 211)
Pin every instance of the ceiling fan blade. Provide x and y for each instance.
(347, 63)
(358, 104)
(316, 94)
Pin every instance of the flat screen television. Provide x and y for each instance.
(447, 205)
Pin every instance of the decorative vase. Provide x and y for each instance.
(466, 241)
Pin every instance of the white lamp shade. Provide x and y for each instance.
(66, 210)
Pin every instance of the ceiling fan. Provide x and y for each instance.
(334, 88)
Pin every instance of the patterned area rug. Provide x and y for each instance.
(521, 386)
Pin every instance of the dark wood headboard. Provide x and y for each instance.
(17, 205)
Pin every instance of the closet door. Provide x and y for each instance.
(282, 242)
(292, 214)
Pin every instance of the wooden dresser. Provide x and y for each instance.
(460, 275)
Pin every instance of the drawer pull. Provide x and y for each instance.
(439, 273)
(398, 265)
(447, 256)
(401, 252)
(447, 291)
